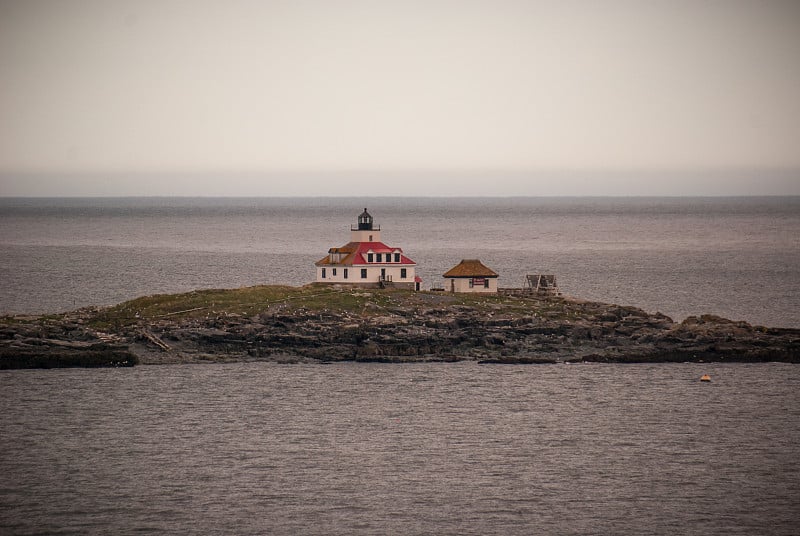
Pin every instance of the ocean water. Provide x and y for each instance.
(264, 448)
(259, 448)
(735, 257)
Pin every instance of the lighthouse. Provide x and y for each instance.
(366, 261)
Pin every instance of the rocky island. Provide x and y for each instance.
(324, 324)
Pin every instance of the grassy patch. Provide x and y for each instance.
(199, 303)
(310, 299)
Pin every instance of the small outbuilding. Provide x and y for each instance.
(470, 275)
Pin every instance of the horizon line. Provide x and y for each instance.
(548, 196)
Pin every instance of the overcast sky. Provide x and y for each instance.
(399, 98)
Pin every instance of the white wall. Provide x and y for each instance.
(373, 274)
(461, 284)
(363, 236)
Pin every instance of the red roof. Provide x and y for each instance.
(356, 254)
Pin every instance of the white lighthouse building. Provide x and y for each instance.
(366, 261)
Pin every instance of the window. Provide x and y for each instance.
(369, 257)
(323, 273)
(345, 273)
(396, 257)
(333, 272)
(379, 257)
(471, 282)
(363, 273)
(485, 283)
(402, 273)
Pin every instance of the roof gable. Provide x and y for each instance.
(470, 268)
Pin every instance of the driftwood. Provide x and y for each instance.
(155, 340)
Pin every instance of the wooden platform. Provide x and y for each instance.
(542, 284)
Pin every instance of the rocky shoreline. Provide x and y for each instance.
(315, 324)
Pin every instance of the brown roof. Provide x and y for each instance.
(470, 268)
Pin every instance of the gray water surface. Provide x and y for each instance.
(256, 448)
(734, 257)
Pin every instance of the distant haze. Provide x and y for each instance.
(399, 98)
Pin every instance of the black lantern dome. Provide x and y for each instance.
(365, 221)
